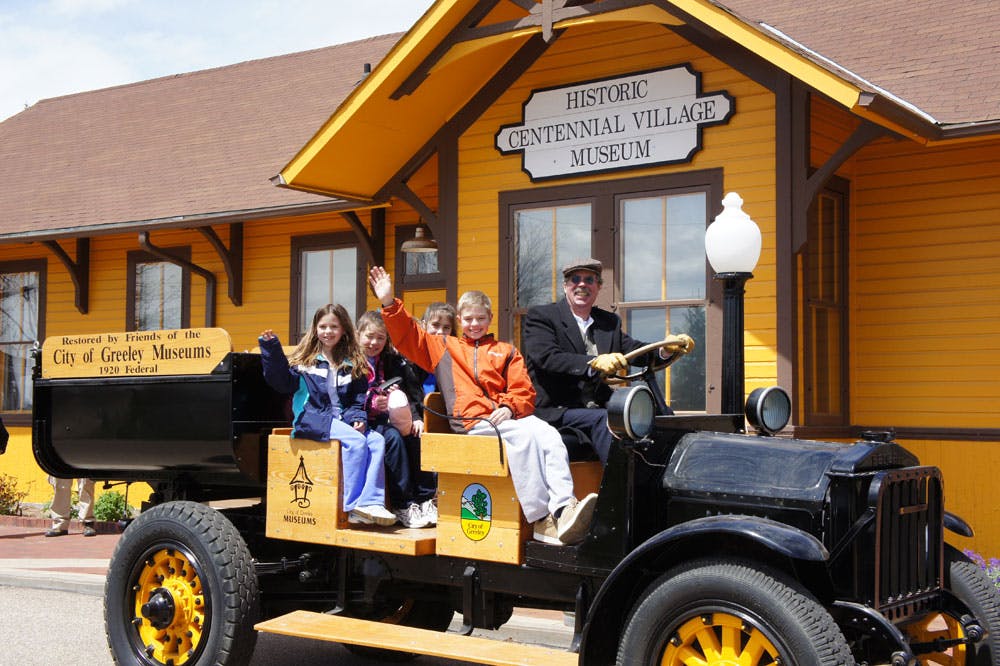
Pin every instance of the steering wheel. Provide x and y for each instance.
(654, 367)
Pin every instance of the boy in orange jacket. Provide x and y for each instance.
(485, 382)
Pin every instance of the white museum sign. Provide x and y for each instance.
(642, 119)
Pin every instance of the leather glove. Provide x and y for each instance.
(609, 364)
(681, 343)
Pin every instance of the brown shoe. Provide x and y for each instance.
(54, 532)
(574, 521)
(546, 532)
(88, 530)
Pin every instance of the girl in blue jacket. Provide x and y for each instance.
(328, 375)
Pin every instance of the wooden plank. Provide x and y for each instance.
(396, 539)
(496, 535)
(462, 454)
(337, 629)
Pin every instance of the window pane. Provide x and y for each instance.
(421, 263)
(686, 246)
(547, 238)
(18, 330)
(158, 295)
(329, 276)
(642, 241)
(687, 374)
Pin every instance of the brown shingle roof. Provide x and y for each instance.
(187, 145)
(941, 57)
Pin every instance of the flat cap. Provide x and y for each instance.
(583, 264)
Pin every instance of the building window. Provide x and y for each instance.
(825, 313)
(22, 301)
(416, 270)
(159, 292)
(326, 268)
(649, 233)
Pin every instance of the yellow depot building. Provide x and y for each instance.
(863, 139)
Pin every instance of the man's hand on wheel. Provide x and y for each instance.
(609, 364)
(677, 344)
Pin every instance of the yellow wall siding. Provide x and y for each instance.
(744, 148)
(927, 247)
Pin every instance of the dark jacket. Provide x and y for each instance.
(388, 365)
(557, 359)
(316, 401)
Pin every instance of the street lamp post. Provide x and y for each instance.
(732, 243)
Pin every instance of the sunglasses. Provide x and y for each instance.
(586, 279)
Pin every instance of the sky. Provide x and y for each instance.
(50, 48)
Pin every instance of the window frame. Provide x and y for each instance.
(837, 188)
(604, 198)
(143, 257)
(311, 243)
(39, 266)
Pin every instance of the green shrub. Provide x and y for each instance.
(10, 496)
(111, 506)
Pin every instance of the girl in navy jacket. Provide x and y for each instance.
(328, 375)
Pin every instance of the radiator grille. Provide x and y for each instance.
(908, 538)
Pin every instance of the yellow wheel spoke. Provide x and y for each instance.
(719, 639)
(169, 575)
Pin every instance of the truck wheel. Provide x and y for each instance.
(422, 614)
(181, 589)
(719, 612)
(975, 589)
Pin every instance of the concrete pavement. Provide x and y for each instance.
(74, 563)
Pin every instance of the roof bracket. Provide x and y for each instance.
(430, 218)
(865, 133)
(372, 244)
(194, 268)
(232, 258)
(79, 270)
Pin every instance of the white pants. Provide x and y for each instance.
(538, 462)
(61, 501)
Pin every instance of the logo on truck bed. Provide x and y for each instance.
(477, 511)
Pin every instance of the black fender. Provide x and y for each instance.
(627, 580)
(957, 524)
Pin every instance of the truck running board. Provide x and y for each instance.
(337, 629)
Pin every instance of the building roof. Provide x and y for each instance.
(174, 151)
(941, 58)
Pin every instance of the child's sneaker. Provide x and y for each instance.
(574, 521)
(412, 516)
(430, 511)
(546, 532)
(376, 513)
(357, 517)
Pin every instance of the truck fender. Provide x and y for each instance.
(619, 590)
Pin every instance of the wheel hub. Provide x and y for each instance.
(169, 605)
(718, 639)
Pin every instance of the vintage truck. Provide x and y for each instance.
(708, 545)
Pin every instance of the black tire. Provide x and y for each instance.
(422, 614)
(974, 588)
(737, 607)
(187, 557)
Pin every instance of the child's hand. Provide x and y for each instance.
(360, 426)
(500, 414)
(381, 285)
(268, 334)
(418, 428)
(380, 402)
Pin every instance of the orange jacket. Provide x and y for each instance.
(475, 376)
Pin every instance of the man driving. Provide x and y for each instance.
(570, 346)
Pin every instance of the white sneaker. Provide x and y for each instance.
(377, 514)
(412, 516)
(356, 517)
(429, 510)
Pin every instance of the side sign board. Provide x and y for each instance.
(189, 351)
(642, 119)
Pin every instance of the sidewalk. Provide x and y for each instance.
(71, 563)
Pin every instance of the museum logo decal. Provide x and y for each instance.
(477, 511)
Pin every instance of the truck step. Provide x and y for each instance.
(337, 629)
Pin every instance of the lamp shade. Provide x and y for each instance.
(419, 243)
(732, 241)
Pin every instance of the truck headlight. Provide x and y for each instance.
(631, 412)
(769, 409)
